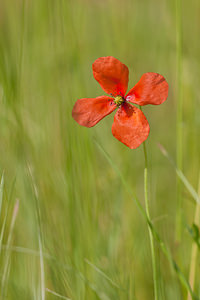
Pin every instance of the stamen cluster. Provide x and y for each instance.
(119, 100)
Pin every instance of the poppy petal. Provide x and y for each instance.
(130, 126)
(89, 111)
(111, 74)
(152, 88)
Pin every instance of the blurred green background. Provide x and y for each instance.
(78, 233)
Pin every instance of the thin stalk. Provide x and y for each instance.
(156, 236)
(194, 251)
(179, 117)
(153, 256)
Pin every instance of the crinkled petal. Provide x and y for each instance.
(130, 126)
(152, 88)
(89, 111)
(111, 74)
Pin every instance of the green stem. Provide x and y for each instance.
(156, 236)
(179, 116)
(153, 256)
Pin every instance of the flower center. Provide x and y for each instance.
(119, 100)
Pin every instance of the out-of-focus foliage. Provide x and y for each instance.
(77, 232)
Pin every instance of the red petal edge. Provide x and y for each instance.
(111, 74)
(152, 88)
(130, 126)
(89, 111)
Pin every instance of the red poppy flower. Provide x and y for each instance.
(130, 125)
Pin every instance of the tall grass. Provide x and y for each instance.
(77, 233)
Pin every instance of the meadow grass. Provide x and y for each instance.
(69, 224)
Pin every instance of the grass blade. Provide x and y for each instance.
(193, 260)
(1, 191)
(36, 195)
(7, 257)
(56, 294)
(102, 273)
(181, 176)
